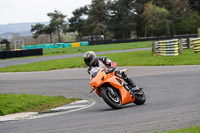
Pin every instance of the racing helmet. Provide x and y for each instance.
(90, 58)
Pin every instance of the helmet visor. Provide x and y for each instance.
(88, 61)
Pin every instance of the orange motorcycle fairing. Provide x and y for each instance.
(97, 81)
(102, 78)
(125, 95)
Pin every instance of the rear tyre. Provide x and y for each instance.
(114, 102)
(140, 98)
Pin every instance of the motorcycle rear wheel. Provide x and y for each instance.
(140, 98)
(114, 102)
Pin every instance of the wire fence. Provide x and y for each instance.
(114, 41)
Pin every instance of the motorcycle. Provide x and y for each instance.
(113, 89)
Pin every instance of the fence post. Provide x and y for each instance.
(199, 32)
(153, 47)
(180, 47)
(188, 43)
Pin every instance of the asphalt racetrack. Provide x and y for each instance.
(172, 92)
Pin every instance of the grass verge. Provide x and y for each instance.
(11, 103)
(139, 58)
(97, 48)
(186, 130)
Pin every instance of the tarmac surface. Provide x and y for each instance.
(172, 94)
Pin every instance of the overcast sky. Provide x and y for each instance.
(19, 11)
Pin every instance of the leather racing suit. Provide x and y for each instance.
(106, 64)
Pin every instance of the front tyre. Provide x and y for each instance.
(140, 98)
(114, 102)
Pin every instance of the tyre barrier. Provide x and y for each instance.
(196, 43)
(184, 43)
(167, 47)
(20, 53)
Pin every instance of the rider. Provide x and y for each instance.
(91, 60)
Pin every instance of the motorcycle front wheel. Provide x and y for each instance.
(114, 101)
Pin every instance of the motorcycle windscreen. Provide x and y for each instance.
(94, 71)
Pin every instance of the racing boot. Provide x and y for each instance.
(133, 88)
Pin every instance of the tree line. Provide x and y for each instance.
(123, 19)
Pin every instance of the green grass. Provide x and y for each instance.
(186, 130)
(97, 48)
(11, 103)
(145, 58)
(139, 58)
